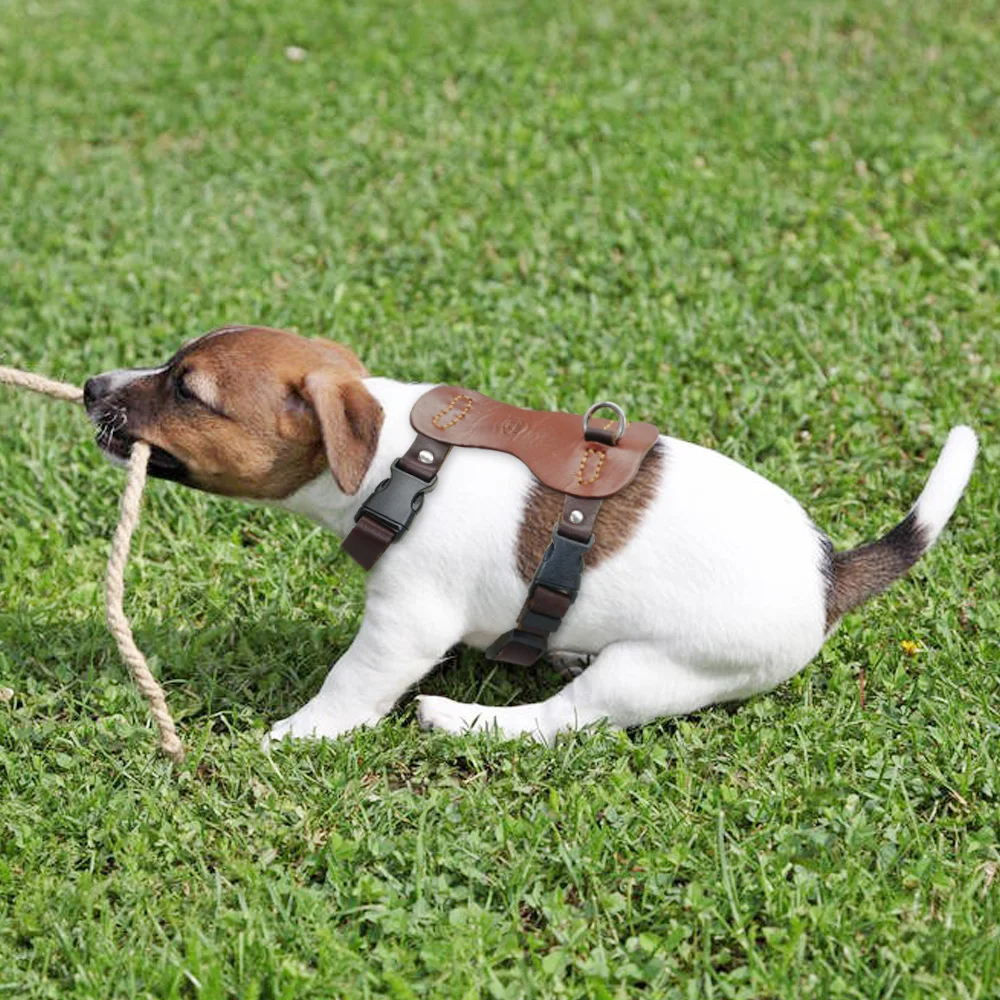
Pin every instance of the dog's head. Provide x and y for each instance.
(243, 411)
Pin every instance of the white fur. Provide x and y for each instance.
(947, 482)
(719, 594)
(119, 379)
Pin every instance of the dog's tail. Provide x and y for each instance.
(869, 569)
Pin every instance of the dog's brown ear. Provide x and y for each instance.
(341, 355)
(350, 419)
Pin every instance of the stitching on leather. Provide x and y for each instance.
(455, 420)
(583, 464)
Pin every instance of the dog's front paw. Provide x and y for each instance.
(292, 728)
(313, 722)
(285, 729)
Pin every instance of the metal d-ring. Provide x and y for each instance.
(607, 405)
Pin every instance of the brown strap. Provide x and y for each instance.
(550, 594)
(387, 513)
(552, 445)
(422, 445)
(367, 541)
(570, 525)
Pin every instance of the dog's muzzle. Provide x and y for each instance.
(114, 438)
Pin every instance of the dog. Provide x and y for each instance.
(706, 584)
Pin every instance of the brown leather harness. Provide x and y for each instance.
(586, 462)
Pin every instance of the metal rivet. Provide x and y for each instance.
(576, 517)
(425, 456)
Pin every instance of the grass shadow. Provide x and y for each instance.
(271, 665)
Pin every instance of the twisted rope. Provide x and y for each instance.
(39, 383)
(114, 590)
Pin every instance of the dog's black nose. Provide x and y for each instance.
(92, 391)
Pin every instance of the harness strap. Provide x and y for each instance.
(553, 588)
(391, 508)
(367, 540)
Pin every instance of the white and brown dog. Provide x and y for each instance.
(707, 583)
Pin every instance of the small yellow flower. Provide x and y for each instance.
(910, 647)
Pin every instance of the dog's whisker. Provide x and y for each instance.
(112, 420)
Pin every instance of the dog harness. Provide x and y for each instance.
(586, 462)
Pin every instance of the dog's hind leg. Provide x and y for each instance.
(628, 684)
(569, 664)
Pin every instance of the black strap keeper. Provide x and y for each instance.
(517, 647)
(535, 621)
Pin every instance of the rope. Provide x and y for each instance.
(39, 383)
(115, 596)
(114, 590)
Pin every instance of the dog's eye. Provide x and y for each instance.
(182, 390)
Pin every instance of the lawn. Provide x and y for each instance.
(772, 228)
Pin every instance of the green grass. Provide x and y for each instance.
(770, 227)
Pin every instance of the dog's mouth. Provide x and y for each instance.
(162, 464)
(116, 440)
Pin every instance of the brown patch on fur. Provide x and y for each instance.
(259, 436)
(616, 521)
(854, 576)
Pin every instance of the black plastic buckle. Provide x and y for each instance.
(561, 567)
(396, 501)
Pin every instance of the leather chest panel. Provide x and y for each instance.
(551, 445)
